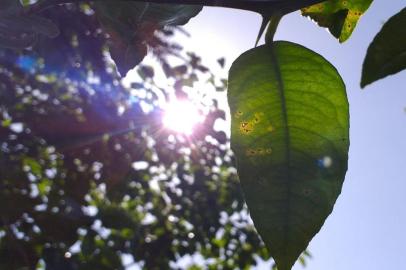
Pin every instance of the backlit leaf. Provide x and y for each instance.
(290, 125)
(339, 16)
(386, 54)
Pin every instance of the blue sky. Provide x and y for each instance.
(366, 228)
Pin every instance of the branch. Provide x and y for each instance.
(260, 6)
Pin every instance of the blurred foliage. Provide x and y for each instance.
(90, 180)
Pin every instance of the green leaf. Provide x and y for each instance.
(386, 54)
(44, 186)
(339, 16)
(132, 24)
(34, 166)
(289, 132)
(6, 122)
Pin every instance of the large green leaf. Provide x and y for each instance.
(339, 16)
(132, 25)
(290, 125)
(387, 53)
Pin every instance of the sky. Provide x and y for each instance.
(366, 228)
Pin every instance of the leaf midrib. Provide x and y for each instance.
(281, 88)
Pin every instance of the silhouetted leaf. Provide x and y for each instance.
(386, 54)
(146, 72)
(221, 61)
(115, 217)
(18, 30)
(339, 16)
(127, 56)
(132, 25)
(289, 132)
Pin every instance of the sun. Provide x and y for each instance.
(181, 116)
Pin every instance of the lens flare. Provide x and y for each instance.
(181, 116)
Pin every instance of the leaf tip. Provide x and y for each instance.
(366, 79)
(364, 83)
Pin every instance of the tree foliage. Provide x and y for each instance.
(89, 177)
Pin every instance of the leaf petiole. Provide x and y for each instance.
(273, 25)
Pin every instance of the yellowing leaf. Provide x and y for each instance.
(339, 16)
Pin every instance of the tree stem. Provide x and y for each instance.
(259, 6)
